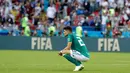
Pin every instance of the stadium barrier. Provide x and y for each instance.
(58, 43)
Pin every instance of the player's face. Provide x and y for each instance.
(65, 32)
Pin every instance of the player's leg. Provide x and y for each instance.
(78, 56)
(72, 60)
(78, 64)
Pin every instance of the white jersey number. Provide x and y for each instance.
(80, 41)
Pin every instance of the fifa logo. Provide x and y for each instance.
(41, 43)
(108, 44)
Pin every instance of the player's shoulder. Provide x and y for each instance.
(70, 35)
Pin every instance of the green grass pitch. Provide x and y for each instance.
(50, 62)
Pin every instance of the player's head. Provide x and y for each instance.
(67, 30)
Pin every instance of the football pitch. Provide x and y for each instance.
(50, 62)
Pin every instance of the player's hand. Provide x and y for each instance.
(60, 53)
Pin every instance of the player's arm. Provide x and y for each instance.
(66, 50)
(68, 47)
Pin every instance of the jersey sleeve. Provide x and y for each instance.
(69, 38)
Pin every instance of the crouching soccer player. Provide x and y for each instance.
(76, 51)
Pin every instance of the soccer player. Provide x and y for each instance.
(75, 51)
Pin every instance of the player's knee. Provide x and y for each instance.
(86, 60)
(66, 51)
(66, 55)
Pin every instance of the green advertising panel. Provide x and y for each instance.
(58, 43)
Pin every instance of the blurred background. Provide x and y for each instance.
(88, 18)
(100, 23)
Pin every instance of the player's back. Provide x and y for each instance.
(78, 44)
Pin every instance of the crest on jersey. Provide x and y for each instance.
(68, 39)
